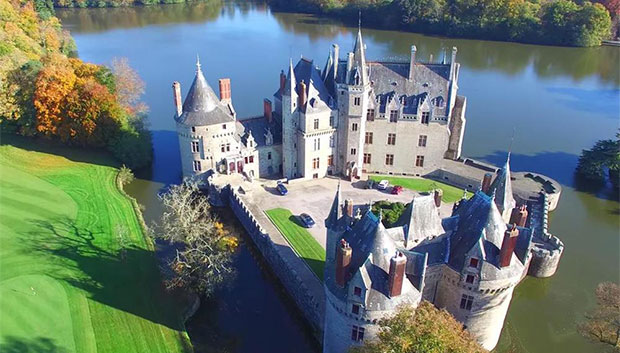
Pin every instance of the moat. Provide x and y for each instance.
(564, 98)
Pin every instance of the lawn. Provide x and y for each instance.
(76, 271)
(450, 193)
(300, 239)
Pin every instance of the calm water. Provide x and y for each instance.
(558, 100)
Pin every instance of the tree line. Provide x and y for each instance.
(114, 3)
(46, 91)
(556, 22)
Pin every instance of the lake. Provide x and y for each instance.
(557, 100)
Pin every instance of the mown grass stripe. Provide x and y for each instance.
(450, 193)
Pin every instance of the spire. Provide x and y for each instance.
(335, 212)
(359, 56)
(198, 64)
(200, 97)
(291, 82)
(501, 188)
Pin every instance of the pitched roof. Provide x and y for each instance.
(420, 220)
(502, 188)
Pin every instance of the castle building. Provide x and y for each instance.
(468, 263)
(353, 116)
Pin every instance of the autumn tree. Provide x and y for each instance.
(128, 86)
(424, 329)
(602, 324)
(202, 247)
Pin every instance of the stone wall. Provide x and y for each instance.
(547, 248)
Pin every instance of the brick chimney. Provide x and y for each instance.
(412, 62)
(519, 216)
(437, 194)
(302, 94)
(267, 110)
(397, 274)
(176, 95)
(225, 96)
(508, 245)
(282, 81)
(348, 207)
(486, 182)
(343, 259)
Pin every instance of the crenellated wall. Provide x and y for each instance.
(547, 249)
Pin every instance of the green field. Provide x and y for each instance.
(450, 193)
(76, 272)
(300, 239)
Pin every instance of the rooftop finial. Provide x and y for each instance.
(512, 139)
(359, 21)
(197, 63)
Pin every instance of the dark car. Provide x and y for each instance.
(397, 189)
(282, 189)
(307, 220)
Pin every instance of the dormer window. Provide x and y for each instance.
(473, 262)
(357, 291)
(193, 129)
(355, 309)
(469, 279)
(224, 126)
(357, 79)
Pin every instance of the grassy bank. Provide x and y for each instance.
(300, 239)
(450, 193)
(76, 271)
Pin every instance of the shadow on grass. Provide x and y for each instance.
(126, 279)
(13, 344)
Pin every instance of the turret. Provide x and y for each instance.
(176, 94)
(343, 260)
(397, 274)
(508, 245)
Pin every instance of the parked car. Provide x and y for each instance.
(383, 185)
(307, 220)
(282, 189)
(397, 189)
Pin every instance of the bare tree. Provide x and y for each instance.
(129, 86)
(202, 247)
(603, 323)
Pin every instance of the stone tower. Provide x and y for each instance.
(290, 119)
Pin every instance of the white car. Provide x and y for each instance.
(383, 185)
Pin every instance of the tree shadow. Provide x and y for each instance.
(125, 278)
(14, 344)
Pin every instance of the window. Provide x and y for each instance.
(422, 141)
(425, 117)
(393, 116)
(354, 127)
(317, 143)
(357, 101)
(223, 126)
(370, 115)
(355, 309)
(269, 155)
(195, 147)
(357, 333)
(316, 124)
(330, 160)
(353, 151)
(193, 129)
(196, 166)
(223, 147)
(419, 161)
(228, 147)
(473, 262)
(389, 159)
(331, 141)
(357, 291)
(251, 159)
(366, 158)
(315, 176)
(315, 163)
(331, 121)
(391, 139)
(469, 279)
(466, 302)
(368, 138)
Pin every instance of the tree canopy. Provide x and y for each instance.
(602, 324)
(601, 161)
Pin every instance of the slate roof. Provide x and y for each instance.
(318, 97)
(259, 126)
(420, 220)
(502, 189)
(201, 106)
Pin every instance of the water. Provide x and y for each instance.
(557, 100)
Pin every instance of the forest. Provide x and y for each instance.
(553, 22)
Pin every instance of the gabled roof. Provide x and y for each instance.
(420, 220)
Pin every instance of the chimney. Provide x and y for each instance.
(343, 259)
(452, 63)
(348, 207)
(336, 53)
(519, 216)
(267, 110)
(397, 274)
(225, 90)
(486, 182)
(349, 66)
(508, 245)
(176, 92)
(282, 81)
(412, 62)
(302, 94)
(438, 193)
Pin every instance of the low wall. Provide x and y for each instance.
(310, 306)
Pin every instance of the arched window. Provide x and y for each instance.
(439, 102)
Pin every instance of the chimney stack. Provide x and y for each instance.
(486, 182)
(412, 62)
(282, 81)
(336, 53)
(519, 216)
(176, 94)
(348, 208)
(343, 259)
(302, 94)
(267, 110)
(225, 96)
(453, 63)
(349, 66)
(397, 274)
(438, 193)
(508, 245)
